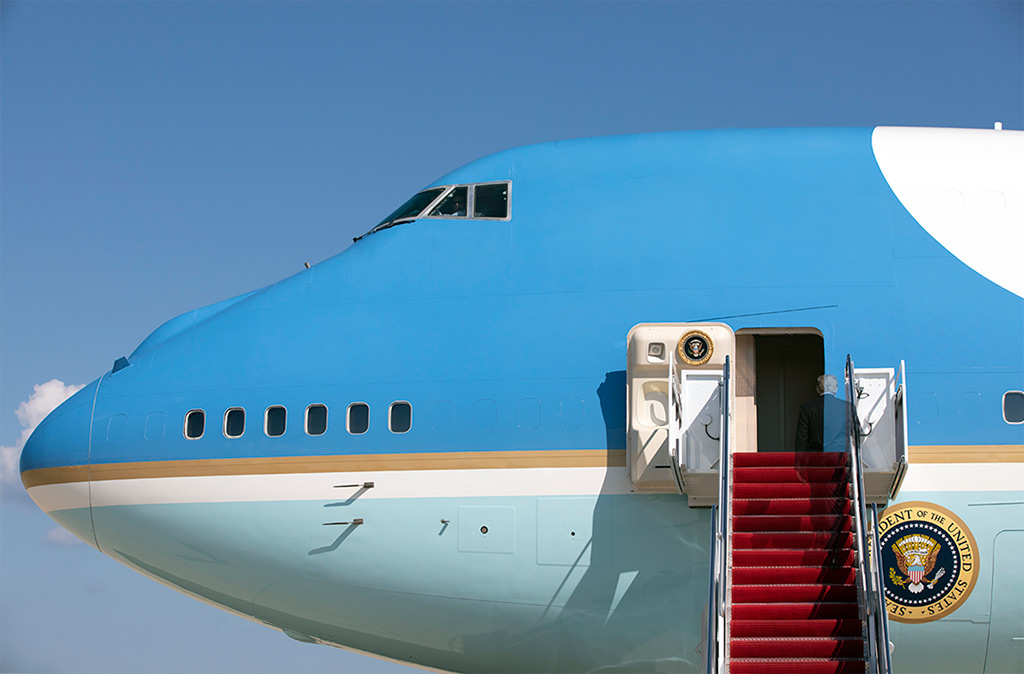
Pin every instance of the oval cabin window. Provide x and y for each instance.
(234, 422)
(316, 419)
(276, 421)
(358, 418)
(1013, 407)
(400, 417)
(195, 424)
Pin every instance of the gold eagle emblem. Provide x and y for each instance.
(916, 555)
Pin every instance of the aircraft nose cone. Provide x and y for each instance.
(61, 440)
(55, 464)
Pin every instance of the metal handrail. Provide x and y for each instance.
(882, 616)
(711, 642)
(901, 431)
(724, 483)
(859, 513)
(675, 449)
(716, 645)
(869, 591)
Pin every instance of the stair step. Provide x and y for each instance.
(789, 474)
(789, 490)
(792, 540)
(796, 611)
(798, 666)
(811, 592)
(793, 583)
(757, 459)
(770, 557)
(826, 627)
(793, 575)
(791, 506)
(815, 647)
(816, 523)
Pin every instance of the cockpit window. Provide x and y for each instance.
(453, 205)
(407, 211)
(491, 201)
(414, 206)
(485, 201)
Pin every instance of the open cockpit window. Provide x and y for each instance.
(453, 205)
(484, 201)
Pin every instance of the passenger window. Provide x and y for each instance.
(400, 417)
(195, 424)
(491, 201)
(316, 419)
(358, 418)
(1013, 407)
(453, 205)
(234, 422)
(276, 421)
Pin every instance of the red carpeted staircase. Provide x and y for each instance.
(794, 592)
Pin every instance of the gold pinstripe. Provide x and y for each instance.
(575, 458)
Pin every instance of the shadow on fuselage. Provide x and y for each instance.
(632, 599)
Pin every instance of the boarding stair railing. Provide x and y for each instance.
(871, 588)
(716, 643)
(675, 425)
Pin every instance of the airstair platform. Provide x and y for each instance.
(794, 583)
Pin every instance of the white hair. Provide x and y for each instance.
(827, 384)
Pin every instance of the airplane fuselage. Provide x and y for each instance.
(473, 370)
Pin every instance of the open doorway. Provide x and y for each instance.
(777, 372)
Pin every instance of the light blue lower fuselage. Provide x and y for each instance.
(632, 600)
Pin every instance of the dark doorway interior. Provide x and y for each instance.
(788, 367)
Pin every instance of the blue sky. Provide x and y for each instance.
(156, 157)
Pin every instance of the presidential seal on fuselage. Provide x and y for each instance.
(695, 347)
(929, 561)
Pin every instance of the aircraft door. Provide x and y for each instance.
(1006, 625)
(787, 368)
(675, 416)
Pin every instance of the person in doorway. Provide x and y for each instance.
(823, 421)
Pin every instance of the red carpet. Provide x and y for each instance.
(794, 592)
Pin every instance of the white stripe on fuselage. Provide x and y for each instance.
(463, 483)
(949, 477)
(931, 477)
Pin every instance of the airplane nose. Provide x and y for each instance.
(55, 464)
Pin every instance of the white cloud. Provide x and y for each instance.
(61, 536)
(43, 400)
